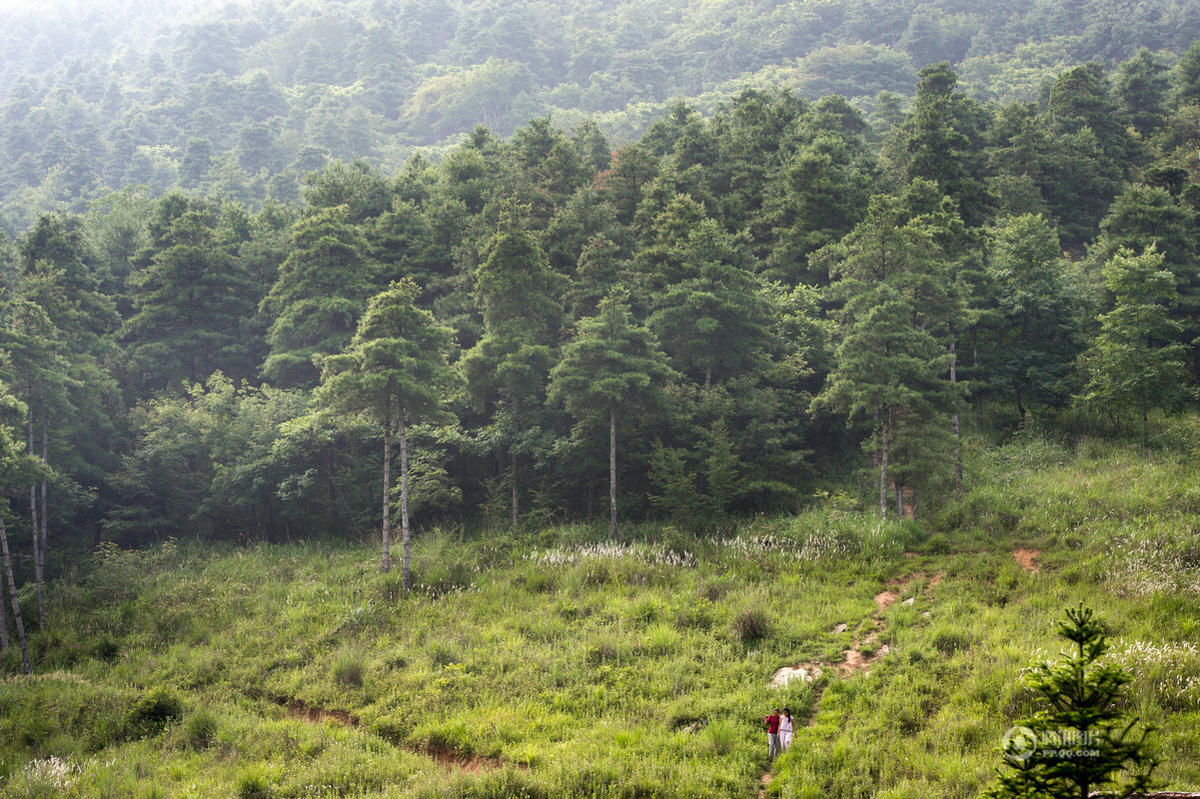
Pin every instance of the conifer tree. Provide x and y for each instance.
(518, 295)
(1134, 363)
(395, 369)
(611, 366)
(1082, 741)
(317, 300)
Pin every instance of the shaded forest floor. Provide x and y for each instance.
(555, 663)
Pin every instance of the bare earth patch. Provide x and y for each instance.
(885, 599)
(1027, 558)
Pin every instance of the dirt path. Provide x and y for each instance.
(443, 755)
(863, 653)
(1027, 558)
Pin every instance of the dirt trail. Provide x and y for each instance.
(863, 653)
(443, 755)
(1027, 558)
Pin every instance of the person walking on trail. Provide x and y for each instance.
(785, 730)
(772, 723)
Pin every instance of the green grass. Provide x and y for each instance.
(565, 665)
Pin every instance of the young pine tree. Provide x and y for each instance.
(395, 369)
(1082, 741)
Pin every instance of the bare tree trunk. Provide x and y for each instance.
(899, 501)
(612, 469)
(45, 462)
(883, 467)
(385, 528)
(958, 470)
(515, 491)
(404, 500)
(3, 623)
(708, 376)
(916, 505)
(37, 530)
(12, 594)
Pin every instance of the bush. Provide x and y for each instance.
(750, 625)
(106, 649)
(154, 711)
(200, 730)
(348, 668)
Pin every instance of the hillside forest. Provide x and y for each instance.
(718, 319)
(482, 400)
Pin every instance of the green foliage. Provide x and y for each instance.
(1083, 740)
(153, 711)
(1133, 365)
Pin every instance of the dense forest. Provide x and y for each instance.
(242, 100)
(718, 319)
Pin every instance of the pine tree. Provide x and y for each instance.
(611, 366)
(1083, 741)
(1135, 363)
(193, 304)
(518, 295)
(395, 369)
(317, 300)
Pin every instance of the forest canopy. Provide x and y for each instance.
(242, 100)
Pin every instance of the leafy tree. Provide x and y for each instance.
(394, 369)
(706, 307)
(611, 365)
(1083, 741)
(1134, 363)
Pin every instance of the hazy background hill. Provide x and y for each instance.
(245, 98)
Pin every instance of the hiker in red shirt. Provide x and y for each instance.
(772, 722)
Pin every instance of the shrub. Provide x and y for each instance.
(349, 667)
(154, 711)
(200, 730)
(661, 639)
(106, 649)
(750, 625)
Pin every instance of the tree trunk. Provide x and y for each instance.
(45, 462)
(958, 470)
(12, 593)
(612, 469)
(37, 530)
(404, 501)
(515, 491)
(916, 505)
(708, 376)
(883, 467)
(385, 528)
(3, 623)
(899, 501)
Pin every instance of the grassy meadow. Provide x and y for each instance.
(556, 663)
